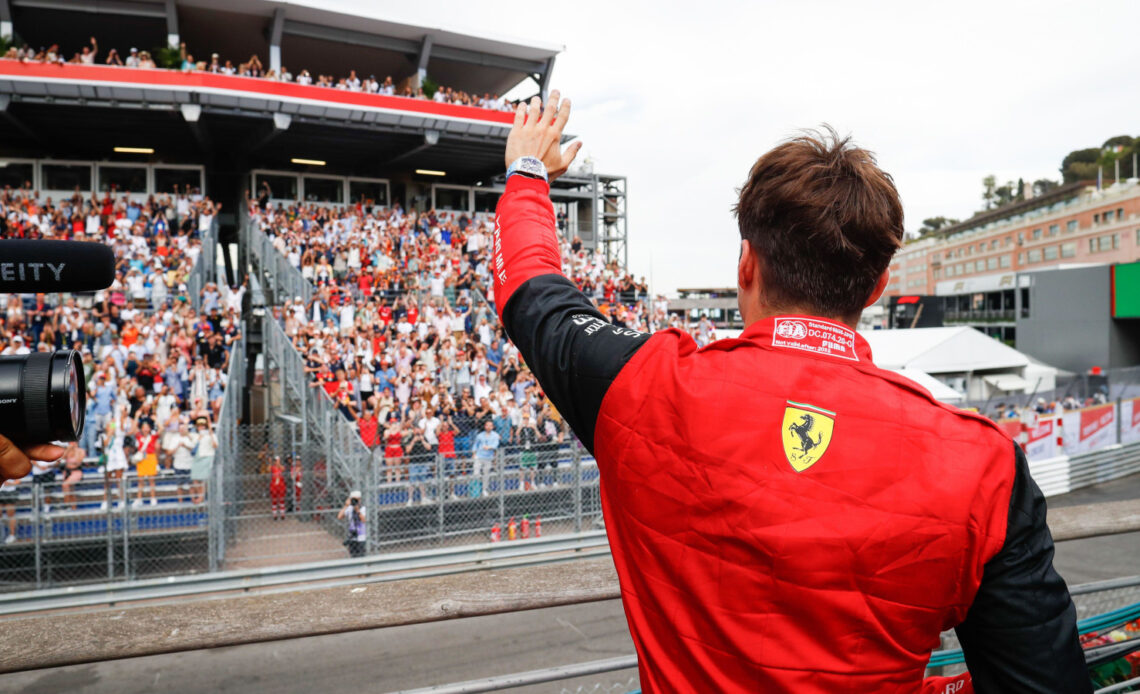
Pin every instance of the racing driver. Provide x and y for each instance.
(784, 516)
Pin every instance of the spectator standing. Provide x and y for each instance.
(357, 517)
(147, 467)
(72, 472)
(277, 488)
(486, 445)
(205, 444)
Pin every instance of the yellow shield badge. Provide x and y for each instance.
(807, 433)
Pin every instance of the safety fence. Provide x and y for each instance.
(101, 527)
(280, 281)
(205, 268)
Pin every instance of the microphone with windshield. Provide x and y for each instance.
(43, 395)
(27, 267)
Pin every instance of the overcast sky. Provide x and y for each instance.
(682, 97)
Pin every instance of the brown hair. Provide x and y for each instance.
(824, 220)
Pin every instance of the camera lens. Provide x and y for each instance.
(43, 397)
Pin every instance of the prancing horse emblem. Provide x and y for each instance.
(807, 433)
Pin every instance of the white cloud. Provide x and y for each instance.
(682, 97)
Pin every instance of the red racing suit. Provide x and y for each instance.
(784, 516)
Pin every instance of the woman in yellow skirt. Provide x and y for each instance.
(147, 467)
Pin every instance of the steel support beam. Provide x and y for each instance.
(422, 63)
(172, 37)
(275, 32)
(6, 20)
(134, 8)
(544, 81)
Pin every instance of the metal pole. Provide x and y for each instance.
(440, 493)
(576, 455)
(502, 487)
(110, 528)
(212, 521)
(37, 498)
(125, 502)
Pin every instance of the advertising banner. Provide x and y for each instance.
(1130, 420)
(1089, 429)
(1041, 440)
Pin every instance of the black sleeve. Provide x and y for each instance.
(1020, 634)
(574, 353)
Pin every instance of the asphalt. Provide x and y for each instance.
(396, 658)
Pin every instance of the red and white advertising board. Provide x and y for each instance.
(1089, 429)
(1040, 440)
(1130, 420)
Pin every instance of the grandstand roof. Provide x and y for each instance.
(320, 36)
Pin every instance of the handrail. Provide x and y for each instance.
(382, 567)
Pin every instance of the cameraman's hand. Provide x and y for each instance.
(16, 463)
(538, 133)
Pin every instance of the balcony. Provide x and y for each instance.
(979, 317)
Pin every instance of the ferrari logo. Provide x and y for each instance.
(807, 432)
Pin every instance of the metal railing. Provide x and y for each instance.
(387, 567)
(205, 266)
(279, 279)
(105, 529)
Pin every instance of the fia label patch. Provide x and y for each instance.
(807, 433)
(811, 335)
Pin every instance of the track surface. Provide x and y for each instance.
(420, 655)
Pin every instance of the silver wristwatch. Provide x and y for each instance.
(531, 167)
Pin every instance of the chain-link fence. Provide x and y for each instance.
(92, 525)
(1070, 391)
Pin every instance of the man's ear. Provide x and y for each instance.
(746, 267)
(880, 287)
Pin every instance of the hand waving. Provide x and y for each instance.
(538, 133)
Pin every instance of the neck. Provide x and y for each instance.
(764, 312)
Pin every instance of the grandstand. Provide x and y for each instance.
(301, 202)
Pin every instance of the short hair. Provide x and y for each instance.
(824, 220)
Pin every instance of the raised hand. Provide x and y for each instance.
(538, 133)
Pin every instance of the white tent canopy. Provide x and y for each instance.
(942, 350)
(962, 359)
(937, 388)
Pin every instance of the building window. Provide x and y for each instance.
(991, 263)
(1120, 214)
(1035, 255)
(1054, 229)
(1096, 219)
(1021, 258)
(1071, 225)
(1050, 252)
(1100, 244)
(1008, 241)
(1107, 216)
(1036, 234)
(1003, 261)
(1069, 250)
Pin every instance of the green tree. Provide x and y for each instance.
(1004, 194)
(989, 184)
(1043, 186)
(1078, 164)
(429, 86)
(1125, 140)
(932, 225)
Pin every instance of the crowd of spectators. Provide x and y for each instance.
(155, 367)
(1046, 407)
(401, 334)
(253, 67)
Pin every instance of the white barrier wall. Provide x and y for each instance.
(1089, 429)
(1130, 420)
